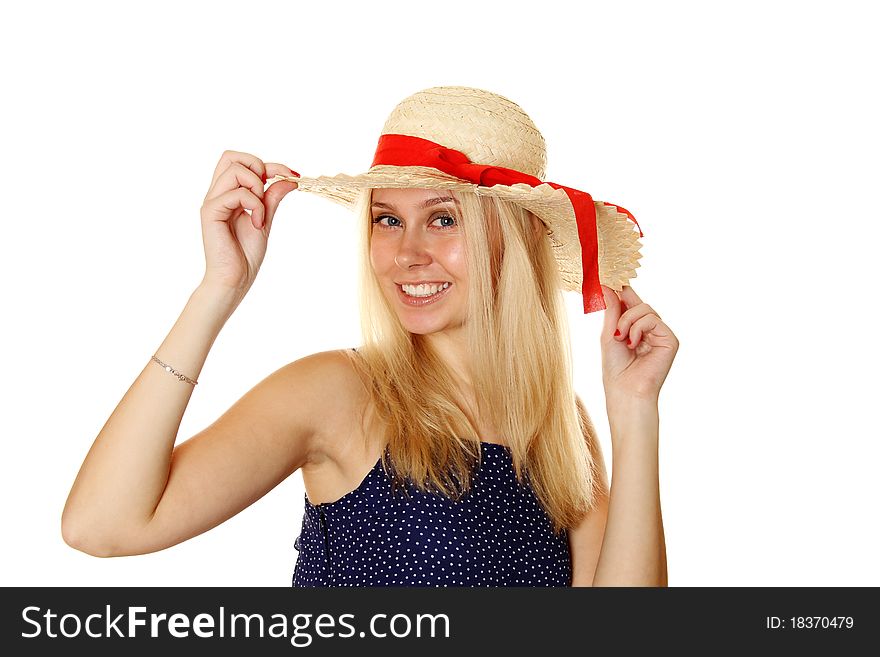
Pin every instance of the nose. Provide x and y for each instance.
(412, 251)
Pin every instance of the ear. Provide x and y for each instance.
(537, 226)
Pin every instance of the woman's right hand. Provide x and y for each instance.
(235, 241)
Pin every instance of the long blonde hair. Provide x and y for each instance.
(519, 346)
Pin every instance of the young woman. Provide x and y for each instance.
(450, 448)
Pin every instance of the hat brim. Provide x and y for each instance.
(618, 243)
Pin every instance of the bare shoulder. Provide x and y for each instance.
(338, 395)
(324, 368)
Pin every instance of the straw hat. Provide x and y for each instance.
(466, 139)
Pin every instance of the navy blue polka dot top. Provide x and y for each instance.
(497, 534)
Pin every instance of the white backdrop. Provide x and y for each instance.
(743, 139)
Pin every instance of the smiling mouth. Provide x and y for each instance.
(422, 300)
(440, 285)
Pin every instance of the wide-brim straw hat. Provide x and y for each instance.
(466, 139)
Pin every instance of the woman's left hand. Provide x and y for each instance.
(637, 370)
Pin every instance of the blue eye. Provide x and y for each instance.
(378, 220)
(446, 216)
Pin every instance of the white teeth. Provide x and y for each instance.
(423, 290)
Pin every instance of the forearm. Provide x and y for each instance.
(634, 547)
(126, 470)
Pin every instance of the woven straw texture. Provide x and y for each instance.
(492, 130)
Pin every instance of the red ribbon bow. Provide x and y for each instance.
(404, 150)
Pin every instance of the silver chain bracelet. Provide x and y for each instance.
(168, 368)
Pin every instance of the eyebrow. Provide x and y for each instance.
(424, 204)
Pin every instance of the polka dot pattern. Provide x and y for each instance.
(497, 534)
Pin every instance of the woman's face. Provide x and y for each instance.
(417, 239)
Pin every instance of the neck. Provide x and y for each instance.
(451, 348)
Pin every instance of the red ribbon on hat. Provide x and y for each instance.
(404, 150)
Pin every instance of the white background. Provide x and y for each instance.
(743, 138)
